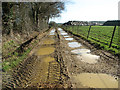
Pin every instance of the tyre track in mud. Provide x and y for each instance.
(21, 75)
(43, 68)
(51, 64)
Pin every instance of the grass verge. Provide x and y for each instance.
(98, 44)
(15, 58)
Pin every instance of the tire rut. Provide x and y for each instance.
(41, 71)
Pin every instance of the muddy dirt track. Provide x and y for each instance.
(61, 60)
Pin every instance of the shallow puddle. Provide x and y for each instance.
(66, 36)
(48, 41)
(93, 80)
(60, 29)
(52, 32)
(88, 58)
(48, 59)
(80, 51)
(74, 44)
(63, 33)
(69, 39)
(45, 50)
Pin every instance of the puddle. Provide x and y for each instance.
(80, 51)
(60, 29)
(88, 58)
(48, 41)
(52, 32)
(68, 38)
(45, 50)
(74, 44)
(63, 33)
(49, 59)
(93, 80)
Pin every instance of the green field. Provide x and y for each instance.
(98, 34)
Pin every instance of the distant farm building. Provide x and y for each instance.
(84, 23)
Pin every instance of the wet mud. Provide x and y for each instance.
(61, 60)
(92, 80)
(49, 41)
(86, 65)
(43, 67)
(45, 50)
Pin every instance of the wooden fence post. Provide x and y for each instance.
(112, 36)
(77, 29)
(88, 31)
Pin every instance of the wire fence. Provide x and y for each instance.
(107, 35)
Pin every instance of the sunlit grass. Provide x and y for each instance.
(100, 35)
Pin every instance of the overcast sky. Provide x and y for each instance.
(89, 10)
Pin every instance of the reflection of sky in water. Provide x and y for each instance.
(60, 29)
(63, 33)
(74, 44)
(68, 38)
(52, 32)
(80, 51)
(88, 58)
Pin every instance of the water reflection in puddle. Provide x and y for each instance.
(63, 33)
(60, 29)
(68, 38)
(48, 41)
(88, 58)
(45, 50)
(48, 59)
(93, 80)
(80, 51)
(52, 32)
(74, 44)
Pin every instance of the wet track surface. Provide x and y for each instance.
(60, 61)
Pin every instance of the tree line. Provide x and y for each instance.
(28, 16)
(112, 23)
